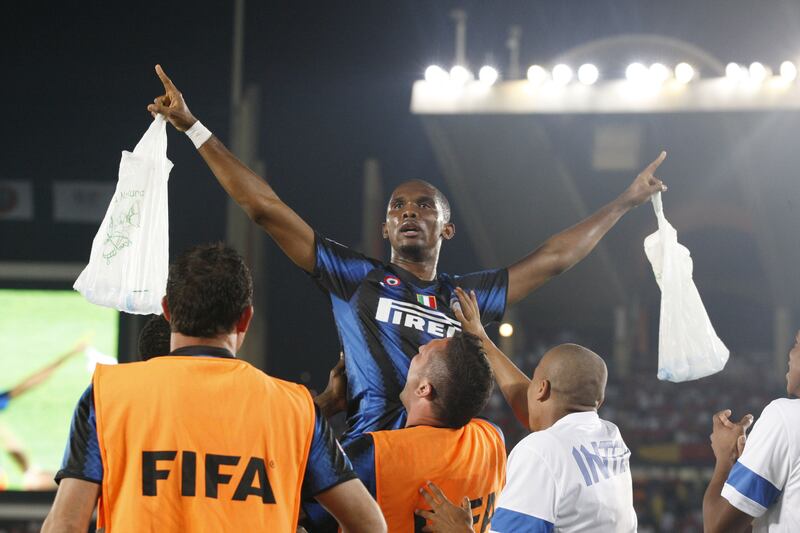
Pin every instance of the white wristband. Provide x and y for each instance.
(198, 134)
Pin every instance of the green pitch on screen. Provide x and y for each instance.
(36, 327)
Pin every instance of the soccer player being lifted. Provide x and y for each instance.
(385, 311)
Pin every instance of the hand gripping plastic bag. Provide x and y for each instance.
(688, 346)
(129, 261)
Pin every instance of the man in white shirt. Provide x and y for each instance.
(759, 483)
(572, 473)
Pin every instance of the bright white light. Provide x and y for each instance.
(588, 74)
(537, 75)
(487, 75)
(758, 72)
(788, 71)
(435, 74)
(562, 74)
(735, 72)
(636, 72)
(506, 329)
(684, 73)
(460, 74)
(659, 73)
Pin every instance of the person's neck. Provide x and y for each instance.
(227, 341)
(555, 414)
(424, 269)
(422, 417)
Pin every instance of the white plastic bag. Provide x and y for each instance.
(129, 262)
(688, 346)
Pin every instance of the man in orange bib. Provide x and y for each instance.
(449, 383)
(199, 440)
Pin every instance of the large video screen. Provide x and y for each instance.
(50, 341)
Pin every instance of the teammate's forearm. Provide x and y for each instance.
(564, 250)
(512, 381)
(262, 205)
(713, 501)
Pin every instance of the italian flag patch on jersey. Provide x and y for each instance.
(427, 301)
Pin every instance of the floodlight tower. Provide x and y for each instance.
(460, 18)
(512, 43)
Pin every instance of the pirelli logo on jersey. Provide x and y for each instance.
(417, 317)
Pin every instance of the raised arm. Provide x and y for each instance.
(43, 373)
(294, 236)
(564, 250)
(512, 381)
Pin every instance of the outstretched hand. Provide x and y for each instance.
(468, 312)
(646, 184)
(171, 104)
(444, 516)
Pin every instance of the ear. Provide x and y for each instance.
(244, 319)
(424, 390)
(543, 392)
(165, 308)
(449, 231)
(384, 232)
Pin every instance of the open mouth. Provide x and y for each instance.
(409, 229)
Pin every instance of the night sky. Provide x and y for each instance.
(336, 80)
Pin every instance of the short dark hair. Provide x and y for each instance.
(444, 204)
(154, 338)
(462, 380)
(208, 288)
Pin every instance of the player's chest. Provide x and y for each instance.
(391, 302)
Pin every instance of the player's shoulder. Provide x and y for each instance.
(540, 443)
(492, 429)
(782, 411)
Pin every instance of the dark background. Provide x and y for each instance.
(336, 80)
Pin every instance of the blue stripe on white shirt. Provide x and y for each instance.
(752, 486)
(508, 521)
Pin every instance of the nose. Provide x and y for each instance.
(410, 211)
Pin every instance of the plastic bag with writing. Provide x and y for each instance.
(129, 261)
(688, 346)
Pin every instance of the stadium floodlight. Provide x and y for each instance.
(758, 72)
(487, 75)
(684, 73)
(636, 73)
(588, 74)
(435, 74)
(788, 71)
(562, 74)
(735, 72)
(506, 329)
(460, 74)
(659, 73)
(537, 75)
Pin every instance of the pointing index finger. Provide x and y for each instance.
(165, 79)
(657, 162)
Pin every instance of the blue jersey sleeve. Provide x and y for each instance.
(327, 464)
(338, 269)
(5, 398)
(491, 289)
(361, 453)
(82, 455)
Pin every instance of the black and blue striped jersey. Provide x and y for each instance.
(383, 314)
